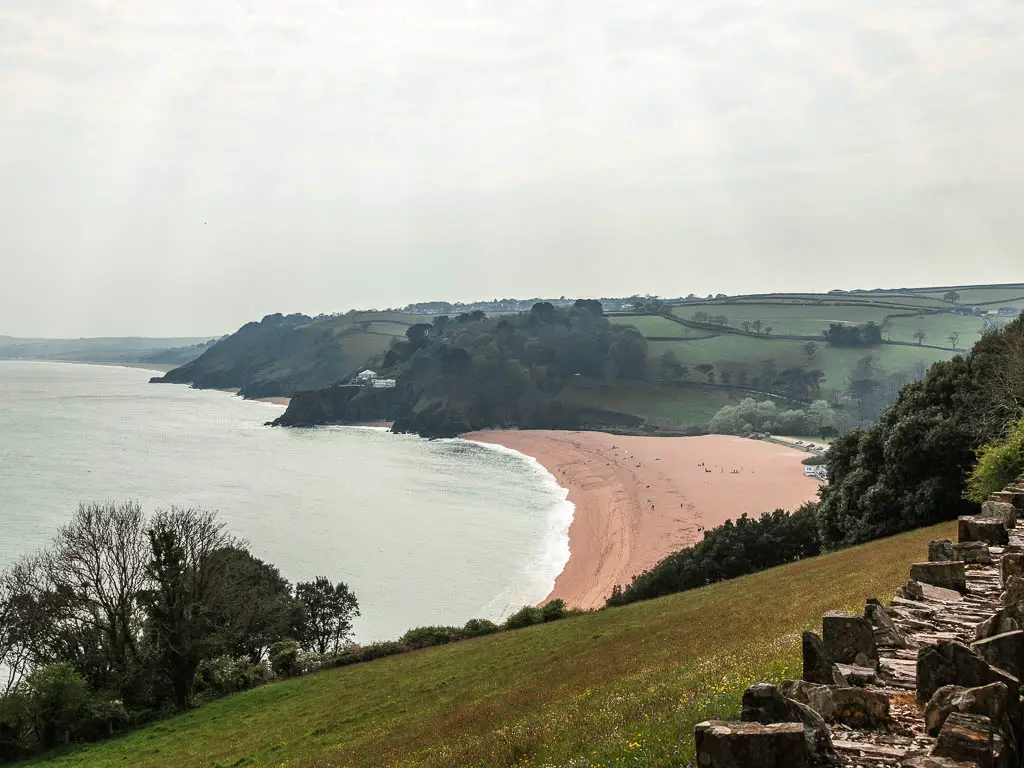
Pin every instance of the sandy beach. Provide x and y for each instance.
(640, 498)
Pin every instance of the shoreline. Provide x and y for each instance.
(638, 499)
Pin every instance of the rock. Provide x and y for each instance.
(859, 708)
(1011, 564)
(1005, 651)
(989, 700)
(1009, 496)
(972, 553)
(915, 590)
(1004, 620)
(855, 707)
(940, 551)
(846, 636)
(858, 676)
(1013, 592)
(740, 745)
(1003, 511)
(952, 663)
(886, 632)
(818, 665)
(947, 575)
(984, 529)
(966, 737)
(763, 703)
(927, 761)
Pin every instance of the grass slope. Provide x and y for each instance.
(620, 687)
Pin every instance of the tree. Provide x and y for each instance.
(1000, 463)
(757, 325)
(708, 370)
(952, 297)
(920, 336)
(185, 571)
(329, 611)
(720, 320)
(670, 366)
(954, 338)
(810, 349)
(251, 607)
(768, 330)
(745, 325)
(54, 697)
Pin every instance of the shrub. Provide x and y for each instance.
(222, 675)
(478, 627)
(554, 610)
(526, 616)
(284, 658)
(424, 637)
(55, 697)
(999, 464)
(369, 652)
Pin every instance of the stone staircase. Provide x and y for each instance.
(929, 681)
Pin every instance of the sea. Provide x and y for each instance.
(424, 531)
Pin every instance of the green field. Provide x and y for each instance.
(621, 687)
(938, 328)
(654, 326)
(791, 319)
(669, 405)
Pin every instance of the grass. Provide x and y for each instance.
(669, 405)
(621, 687)
(653, 326)
(792, 319)
(938, 327)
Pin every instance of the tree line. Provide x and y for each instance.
(124, 618)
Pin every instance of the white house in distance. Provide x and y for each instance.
(368, 378)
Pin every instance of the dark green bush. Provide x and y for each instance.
(284, 658)
(526, 616)
(554, 610)
(369, 652)
(424, 637)
(478, 627)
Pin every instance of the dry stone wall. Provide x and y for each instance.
(931, 680)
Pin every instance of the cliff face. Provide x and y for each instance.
(339, 405)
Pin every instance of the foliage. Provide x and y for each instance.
(284, 658)
(478, 627)
(54, 698)
(328, 613)
(842, 335)
(613, 687)
(750, 416)
(424, 637)
(554, 610)
(526, 616)
(911, 468)
(222, 675)
(730, 550)
(999, 464)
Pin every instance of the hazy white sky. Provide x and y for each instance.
(182, 167)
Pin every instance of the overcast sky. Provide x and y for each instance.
(174, 168)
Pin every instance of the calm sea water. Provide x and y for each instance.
(425, 532)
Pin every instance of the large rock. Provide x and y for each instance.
(763, 703)
(966, 737)
(982, 529)
(741, 745)
(849, 639)
(1005, 651)
(1006, 619)
(952, 663)
(1003, 511)
(818, 665)
(993, 701)
(915, 590)
(948, 575)
(1011, 564)
(940, 551)
(1009, 496)
(972, 553)
(1013, 592)
(855, 707)
(887, 634)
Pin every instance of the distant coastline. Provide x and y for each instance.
(638, 499)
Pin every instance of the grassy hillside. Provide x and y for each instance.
(621, 687)
(281, 355)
